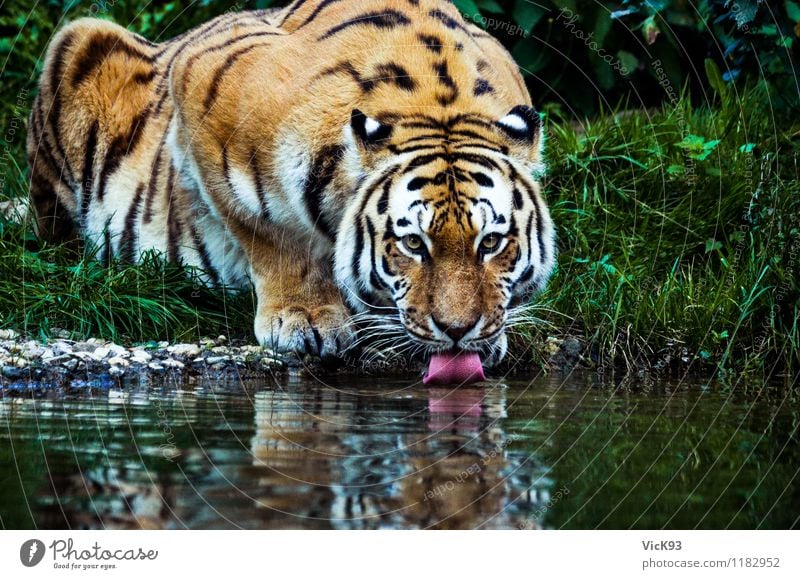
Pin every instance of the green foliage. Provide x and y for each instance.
(589, 54)
(679, 234)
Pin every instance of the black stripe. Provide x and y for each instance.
(470, 145)
(421, 125)
(127, 243)
(204, 257)
(121, 145)
(482, 179)
(174, 226)
(383, 200)
(183, 41)
(259, 183)
(220, 72)
(87, 176)
(517, 199)
(526, 275)
(102, 47)
(448, 21)
(386, 269)
(320, 7)
(355, 263)
(374, 278)
(320, 176)
(528, 235)
(481, 160)
(469, 134)
(440, 68)
(190, 62)
(443, 75)
(440, 135)
(392, 72)
(155, 170)
(291, 9)
(105, 251)
(144, 77)
(482, 87)
(43, 146)
(388, 174)
(54, 114)
(413, 148)
(387, 19)
(423, 160)
(472, 119)
(431, 42)
(142, 40)
(540, 229)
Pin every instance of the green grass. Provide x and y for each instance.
(679, 234)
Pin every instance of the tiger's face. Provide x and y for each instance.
(447, 234)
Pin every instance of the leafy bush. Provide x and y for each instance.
(588, 54)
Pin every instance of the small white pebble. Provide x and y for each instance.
(100, 353)
(170, 363)
(118, 361)
(140, 356)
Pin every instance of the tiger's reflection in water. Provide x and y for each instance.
(358, 464)
(294, 455)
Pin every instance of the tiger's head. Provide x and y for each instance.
(447, 231)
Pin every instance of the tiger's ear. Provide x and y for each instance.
(368, 131)
(524, 127)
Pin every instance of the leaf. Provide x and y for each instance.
(747, 147)
(530, 61)
(468, 8)
(697, 147)
(527, 15)
(568, 4)
(715, 78)
(712, 245)
(491, 6)
(602, 25)
(793, 11)
(650, 30)
(629, 62)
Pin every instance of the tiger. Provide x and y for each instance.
(355, 163)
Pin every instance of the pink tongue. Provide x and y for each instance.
(450, 368)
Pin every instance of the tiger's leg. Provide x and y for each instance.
(53, 220)
(50, 198)
(300, 308)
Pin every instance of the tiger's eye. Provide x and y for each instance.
(412, 242)
(490, 243)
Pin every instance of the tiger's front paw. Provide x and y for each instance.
(323, 331)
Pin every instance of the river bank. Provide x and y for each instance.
(26, 363)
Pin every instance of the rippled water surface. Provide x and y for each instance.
(545, 452)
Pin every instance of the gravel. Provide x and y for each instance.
(62, 362)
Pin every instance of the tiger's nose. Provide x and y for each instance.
(455, 330)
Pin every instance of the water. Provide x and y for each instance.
(545, 452)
